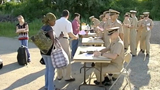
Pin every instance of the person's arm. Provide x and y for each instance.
(70, 31)
(99, 53)
(26, 28)
(115, 52)
(19, 30)
(72, 35)
(110, 55)
(50, 33)
(121, 35)
(77, 26)
(151, 26)
(104, 50)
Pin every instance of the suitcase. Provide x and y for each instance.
(22, 55)
(1, 63)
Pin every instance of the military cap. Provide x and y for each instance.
(133, 11)
(101, 16)
(145, 13)
(113, 11)
(91, 17)
(112, 30)
(127, 14)
(105, 12)
(141, 15)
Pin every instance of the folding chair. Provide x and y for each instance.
(124, 71)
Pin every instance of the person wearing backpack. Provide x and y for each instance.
(49, 21)
(22, 29)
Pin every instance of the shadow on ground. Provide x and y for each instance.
(25, 80)
(139, 75)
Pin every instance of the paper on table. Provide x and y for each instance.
(82, 32)
(87, 55)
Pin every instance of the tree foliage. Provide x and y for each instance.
(33, 9)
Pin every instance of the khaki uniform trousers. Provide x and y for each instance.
(65, 72)
(146, 40)
(133, 35)
(126, 37)
(106, 39)
(106, 68)
(139, 40)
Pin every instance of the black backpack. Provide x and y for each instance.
(22, 55)
(1, 64)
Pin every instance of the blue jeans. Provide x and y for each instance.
(49, 73)
(74, 46)
(25, 43)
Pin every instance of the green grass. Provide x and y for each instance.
(7, 29)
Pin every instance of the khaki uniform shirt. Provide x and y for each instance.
(139, 25)
(116, 47)
(101, 25)
(117, 23)
(126, 21)
(147, 23)
(96, 22)
(134, 23)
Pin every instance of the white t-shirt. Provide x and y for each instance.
(62, 25)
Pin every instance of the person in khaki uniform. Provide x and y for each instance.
(147, 25)
(126, 28)
(101, 25)
(116, 53)
(96, 23)
(133, 32)
(106, 38)
(139, 34)
(114, 22)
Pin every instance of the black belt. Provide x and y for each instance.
(65, 37)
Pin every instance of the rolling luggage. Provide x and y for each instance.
(22, 55)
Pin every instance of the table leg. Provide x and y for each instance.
(100, 74)
(84, 73)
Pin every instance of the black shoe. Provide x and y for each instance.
(107, 81)
(1, 65)
(70, 80)
(96, 82)
(147, 55)
(133, 55)
(28, 61)
(60, 78)
(114, 79)
(142, 51)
